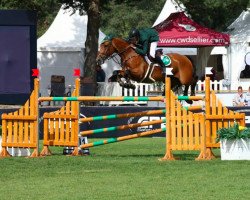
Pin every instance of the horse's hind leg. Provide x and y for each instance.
(175, 84)
(193, 85)
(185, 93)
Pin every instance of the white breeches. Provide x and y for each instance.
(153, 46)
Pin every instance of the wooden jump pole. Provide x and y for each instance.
(102, 98)
(194, 98)
(208, 127)
(118, 116)
(122, 127)
(192, 108)
(119, 139)
(168, 155)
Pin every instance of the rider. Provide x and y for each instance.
(144, 41)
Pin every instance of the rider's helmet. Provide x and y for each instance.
(134, 33)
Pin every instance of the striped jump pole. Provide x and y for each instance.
(192, 108)
(194, 98)
(126, 115)
(122, 127)
(102, 98)
(119, 139)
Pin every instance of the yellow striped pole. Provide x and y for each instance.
(119, 139)
(194, 98)
(102, 98)
(126, 115)
(122, 127)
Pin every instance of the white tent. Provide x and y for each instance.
(239, 31)
(170, 7)
(61, 49)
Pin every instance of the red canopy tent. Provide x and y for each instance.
(178, 30)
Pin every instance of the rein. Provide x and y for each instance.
(119, 53)
(130, 58)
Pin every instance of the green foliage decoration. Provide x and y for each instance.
(234, 132)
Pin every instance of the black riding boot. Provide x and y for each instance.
(159, 61)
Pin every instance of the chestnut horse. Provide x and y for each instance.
(136, 68)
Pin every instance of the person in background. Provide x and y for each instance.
(248, 97)
(239, 98)
(100, 74)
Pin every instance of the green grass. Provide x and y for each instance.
(125, 170)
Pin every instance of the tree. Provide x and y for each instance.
(215, 14)
(120, 16)
(92, 8)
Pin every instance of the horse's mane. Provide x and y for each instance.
(122, 41)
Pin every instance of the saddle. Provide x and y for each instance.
(165, 59)
(152, 63)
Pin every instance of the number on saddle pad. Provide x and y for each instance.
(166, 60)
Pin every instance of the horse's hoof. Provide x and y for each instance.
(122, 84)
(189, 101)
(125, 85)
(132, 86)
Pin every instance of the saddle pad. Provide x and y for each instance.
(166, 60)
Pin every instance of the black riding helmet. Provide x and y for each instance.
(134, 33)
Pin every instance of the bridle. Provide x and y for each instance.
(103, 57)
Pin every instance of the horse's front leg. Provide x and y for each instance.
(129, 84)
(125, 75)
(120, 75)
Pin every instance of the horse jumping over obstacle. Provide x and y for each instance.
(136, 68)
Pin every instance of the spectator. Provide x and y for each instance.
(246, 72)
(100, 74)
(248, 97)
(239, 98)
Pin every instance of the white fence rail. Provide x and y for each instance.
(217, 86)
(142, 89)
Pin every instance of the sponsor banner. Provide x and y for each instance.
(245, 110)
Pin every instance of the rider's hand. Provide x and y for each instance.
(132, 46)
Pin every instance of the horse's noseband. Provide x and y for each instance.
(100, 60)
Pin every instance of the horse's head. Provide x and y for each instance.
(106, 50)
